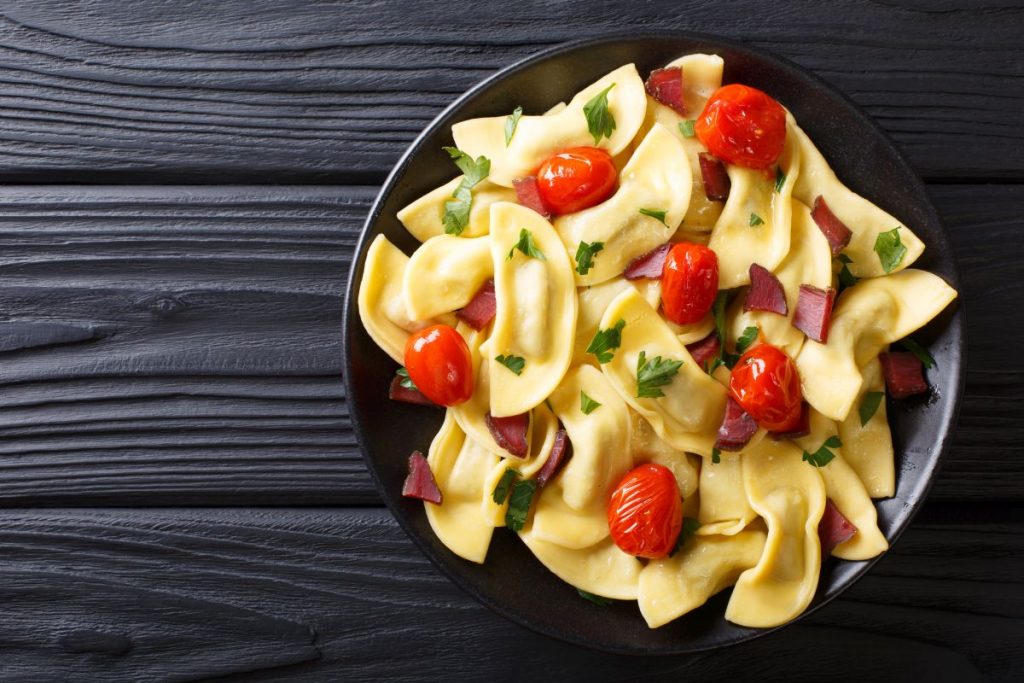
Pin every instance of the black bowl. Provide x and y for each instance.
(513, 582)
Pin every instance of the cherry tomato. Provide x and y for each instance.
(576, 179)
(689, 282)
(439, 364)
(742, 125)
(645, 512)
(765, 382)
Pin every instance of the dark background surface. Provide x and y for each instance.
(181, 188)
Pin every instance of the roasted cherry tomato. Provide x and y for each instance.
(439, 364)
(742, 125)
(765, 382)
(576, 179)
(645, 512)
(689, 282)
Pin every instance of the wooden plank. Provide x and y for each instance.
(180, 345)
(292, 91)
(333, 595)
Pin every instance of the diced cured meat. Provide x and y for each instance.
(814, 312)
(561, 451)
(704, 350)
(528, 195)
(766, 293)
(737, 428)
(716, 180)
(904, 374)
(835, 231)
(834, 528)
(666, 86)
(480, 310)
(420, 483)
(396, 392)
(510, 432)
(649, 265)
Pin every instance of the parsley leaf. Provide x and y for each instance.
(718, 311)
(686, 128)
(716, 456)
(519, 504)
(869, 406)
(890, 249)
(406, 381)
(658, 215)
(596, 599)
(510, 124)
(600, 121)
(585, 256)
(651, 374)
(780, 179)
(689, 528)
(823, 455)
(755, 220)
(919, 351)
(513, 363)
(504, 485)
(587, 404)
(527, 246)
(846, 278)
(748, 337)
(606, 341)
(456, 209)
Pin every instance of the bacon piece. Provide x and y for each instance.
(904, 374)
(802, 428)
(561, 451)
(510, 432)
(666, 86)
(834, 528)
(737, 427)
(716, 180)
(705, 349)
(766, 293)
(649, 265)
(480, 310)
(420, 481)
(835, 231)
(814, 312)
(528, 195)
(396, 392)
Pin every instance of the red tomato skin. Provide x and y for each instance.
(576, 179)
(645, 513)
(766, 383)
(743, 126)
(689, 282)
(439, 364)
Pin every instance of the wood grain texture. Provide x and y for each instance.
(294, 91)
(180, 345)
(338, 595)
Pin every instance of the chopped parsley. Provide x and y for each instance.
(657, 215)
(780, 179)
(406, 381)
(718, 312)
(504, 485)
(585, 256)
(513, 363)
(600, 121)
(716, 456)
(456, 209)
(846, 278)
(748, 337)
(519, 504)
(605, 342)
(527, 246)
(919, 351)
(869, 406)
(510, 124)
(686, 128)
(755, 220)
(823, 455)
(655, 373)
(689, 528)
(587, 404)
(596, 599)
(890, 249)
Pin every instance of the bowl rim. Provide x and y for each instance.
(350, 316)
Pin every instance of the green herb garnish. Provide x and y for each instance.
(504, 485)
(689, 528)
(657, 215)
(587, 404)
(456, 209)
(600, 121)
(527, 246)
(716, 456)
(846, 278)
(755, 220)
(780, 179)
(585, 256)
(748, 337)
(919, 351)
(823, 455)
(869, 406)
(890, 249)
(596, 599)
(510, 124)
(519, 504)
(406, 381)
(513, 363)
(718, 312)
(655, 373)
(605, 342)
(686, 128)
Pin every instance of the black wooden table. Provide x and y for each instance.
(181, 188)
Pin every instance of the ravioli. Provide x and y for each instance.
(593, 302)
(538, 137)
(444, 273)
(601, 569)
(724, 507)
(424, 218)
(657, 178)
(868, 447)
(536, 310)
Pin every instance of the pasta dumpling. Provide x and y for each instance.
(868, 447)
(444, 273)
(424, 218)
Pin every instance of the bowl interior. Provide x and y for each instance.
(511, 581)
